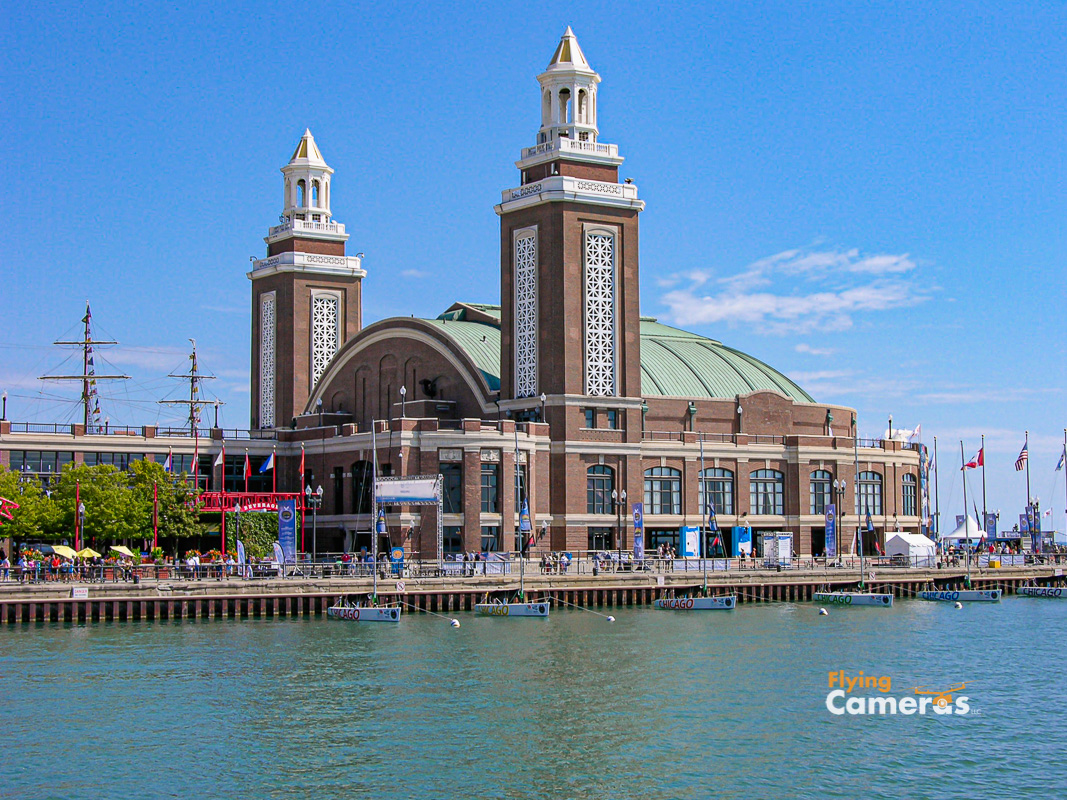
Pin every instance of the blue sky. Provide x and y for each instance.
(871, 197)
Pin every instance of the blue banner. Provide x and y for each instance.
(639, 546)
(524, 518)
(287, 529)
(830, 548)
(639, 531)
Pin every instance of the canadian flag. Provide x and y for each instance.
(977, 461)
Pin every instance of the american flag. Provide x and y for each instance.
(1020, 462)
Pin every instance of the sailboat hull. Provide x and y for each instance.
(854, 599)
(364, 613)
(512, 609)
(1042, 591)
(697, 603)
(963, 596)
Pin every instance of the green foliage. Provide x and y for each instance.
(178, 513)
(259, 532)
(34, 507)
(112, 510)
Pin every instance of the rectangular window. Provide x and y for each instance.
(613, 419)
(910, 505)
(490, 538)
(820, 492)
(663, 491)
(520, 488)
(490, 488)
(767, 493)
(453, 539)
(452, 487)
(338, 490)
(590, 418)
(719, 487)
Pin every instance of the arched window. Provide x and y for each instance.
(869, 493)
(315, 194)
(583, 105)
(564, 106)
(910, 496)
(766, 492)
(599, 484)
(301, 194)
(663, 491)
(546, 108)
(718, 485)
(821, 482)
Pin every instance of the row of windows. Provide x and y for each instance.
(663, 491)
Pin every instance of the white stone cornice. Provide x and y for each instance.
(564, 188)
(315, 263)
(304, 229)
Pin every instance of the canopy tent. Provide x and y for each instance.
(919, 550)
(970, 529)
(63, 550)
(88, 552)
(118, 548)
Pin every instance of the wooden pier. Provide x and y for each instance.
(288, 597)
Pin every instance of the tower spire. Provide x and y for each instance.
(568, 94)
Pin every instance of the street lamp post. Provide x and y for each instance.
(3, 415)
(314, 500)
(403, 401)
(81, 525)
(619, 500)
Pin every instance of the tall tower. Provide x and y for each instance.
(306, 294)
(569, 257)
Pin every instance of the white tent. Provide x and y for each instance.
(920, 551)
(970, 529)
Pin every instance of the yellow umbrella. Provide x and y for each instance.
(88, 552)
(118, 548)
(63, 550)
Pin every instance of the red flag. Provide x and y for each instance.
(248, 467)
(300, 477)
(977, 461)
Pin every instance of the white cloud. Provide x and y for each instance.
(849, 283)
(814, 351)
(414, 273)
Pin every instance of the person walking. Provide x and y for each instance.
(5, 567)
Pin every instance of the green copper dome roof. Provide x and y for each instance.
(674, 363)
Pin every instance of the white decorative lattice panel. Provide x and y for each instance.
(324, 313)
(599, 314)
(526, 316)
(266, 361)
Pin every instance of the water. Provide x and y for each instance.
(658, 705)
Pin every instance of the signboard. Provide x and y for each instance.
(690, 541)
(990, 525)
(80, 593)
(778, 548)
(287, 529)
(406, 491)
(743, 540)
(830, 548)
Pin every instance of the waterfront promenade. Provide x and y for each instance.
(176, 595)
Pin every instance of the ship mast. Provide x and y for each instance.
(195, 404)
(90, 397)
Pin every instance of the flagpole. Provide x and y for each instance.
(274, 471)
(300, 494)
(966, 513)
(247, 470)
(985, 510)
(155, 515)
(1063, 455)
(703, 513)
(1026, 445)
(937, 497)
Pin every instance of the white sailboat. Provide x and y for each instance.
(850, 598)
(969, 529)
(369, 612)
(702, 602)
(517, 606)
(1057, 592)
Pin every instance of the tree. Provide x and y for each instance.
(112, 510)
(177, 503)
(259, 532)
(35, 508)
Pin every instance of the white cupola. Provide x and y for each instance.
(307, 183)
(568, 94)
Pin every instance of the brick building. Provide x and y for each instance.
(562, 394)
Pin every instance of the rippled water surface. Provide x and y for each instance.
(656, 705)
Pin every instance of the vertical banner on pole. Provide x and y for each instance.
(287, 528)
(639, 531)
(830, 548)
